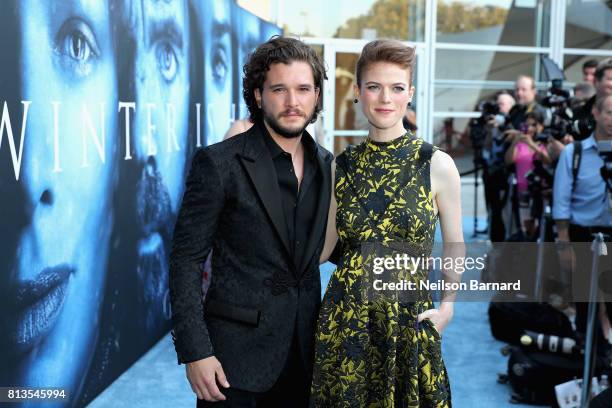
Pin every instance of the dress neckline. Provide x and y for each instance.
(397, 142)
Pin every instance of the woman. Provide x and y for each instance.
(390, 188)
(56, 224)
(524, 150)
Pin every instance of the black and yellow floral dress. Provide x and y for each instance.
(372, 352)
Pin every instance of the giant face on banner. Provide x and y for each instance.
(60, 109)
(247, 39)
(218, 34)
(158, 77)
(103, 103)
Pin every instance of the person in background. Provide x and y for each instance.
(584, 91)
(237, 127)
(409, 120)
(523, 151)
(495, 175)
(525, 95)
(588, 71)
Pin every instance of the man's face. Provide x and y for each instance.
(505, 103)
(161, 81)
(53, 278)
(247, 36)
(604, 87)
(603, 118)
(588, 75)
(525, 92)
(288, 98)
(218, 68)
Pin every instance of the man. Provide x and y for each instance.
(588, 71)
(603, 87)
(583, 91)
(525, 95)
(495, 177)
(581, 208)
(260, 201)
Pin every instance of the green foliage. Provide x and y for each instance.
(392, 18)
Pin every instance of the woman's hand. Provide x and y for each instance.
(439, 317)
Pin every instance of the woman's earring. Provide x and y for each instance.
(355, 100)
(409, 104)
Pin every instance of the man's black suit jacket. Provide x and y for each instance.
(257, 295)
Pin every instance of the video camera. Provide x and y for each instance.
(562, 107)
(478, 126)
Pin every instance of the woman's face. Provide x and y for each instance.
(533, 127)
(384, 94)
(56, 281)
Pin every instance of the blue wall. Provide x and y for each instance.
(103, 104)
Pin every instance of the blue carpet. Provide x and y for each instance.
(471, 355)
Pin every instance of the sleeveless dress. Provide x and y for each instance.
(372, 352)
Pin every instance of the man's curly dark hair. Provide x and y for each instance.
(283, 50)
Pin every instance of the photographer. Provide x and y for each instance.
(582, 202)
(603, 87)
(527, 146)
(495, 177)
(525, 94)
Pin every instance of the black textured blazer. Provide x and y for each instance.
(257, 295)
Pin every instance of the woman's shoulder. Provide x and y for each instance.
(442, 165)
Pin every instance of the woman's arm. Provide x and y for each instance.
(511, 152)
(446, 190)
(542, 154)
(331, 234)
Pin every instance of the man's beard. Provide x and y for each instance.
(280, 129)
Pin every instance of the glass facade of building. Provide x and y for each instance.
(467, 51)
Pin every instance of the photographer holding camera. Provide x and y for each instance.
(494, 121)
(528, 146)
(603, 87)
(525, 94)
(582, 198)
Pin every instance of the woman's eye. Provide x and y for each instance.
(167, 62)
(398, 89)
(77, 46)
(373, 87)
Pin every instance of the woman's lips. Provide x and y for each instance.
(384, 111)
(37, 305)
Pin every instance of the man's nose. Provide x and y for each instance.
(291, 99)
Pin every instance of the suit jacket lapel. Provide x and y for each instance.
(260, 168)
(320, 224)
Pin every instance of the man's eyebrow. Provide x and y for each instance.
(167, 27)
(283, 85)
(220, 29)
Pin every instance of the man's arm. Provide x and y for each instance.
(562, 192)
(193, 234)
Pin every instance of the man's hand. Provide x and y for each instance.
(203, 375)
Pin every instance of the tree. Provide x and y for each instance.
(405, 19)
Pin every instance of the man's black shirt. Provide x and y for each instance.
(299, 204)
